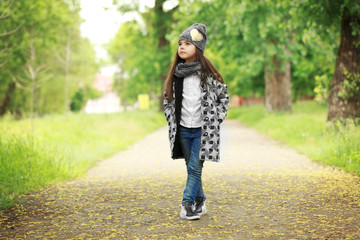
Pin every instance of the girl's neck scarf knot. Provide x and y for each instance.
(185, 69)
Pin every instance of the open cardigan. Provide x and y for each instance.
(214, 105)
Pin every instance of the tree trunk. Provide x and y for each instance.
(6, 102)
(67, 66)
(348, 60)
(162, 24)
(32, 74)
(277, 86)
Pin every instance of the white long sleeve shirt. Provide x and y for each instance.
(191, 102)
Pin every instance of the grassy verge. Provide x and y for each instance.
(308, 132)
(63, 147)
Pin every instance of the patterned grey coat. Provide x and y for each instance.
(214, 105)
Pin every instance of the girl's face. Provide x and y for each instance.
(187, 51)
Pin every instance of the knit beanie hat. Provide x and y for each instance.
(196, 34)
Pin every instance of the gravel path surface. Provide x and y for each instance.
(260, 190)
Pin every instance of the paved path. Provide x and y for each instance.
(260, 190)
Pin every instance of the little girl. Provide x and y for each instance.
(195, 103)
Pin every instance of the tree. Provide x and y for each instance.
(64, 54)
(157, 22)
(258, 42)
(162, 23)
(344, 17)
(133, 50)
(44, 28)
(313, 65)
(344, 99)
(38, 31)
(5, 11)
(241, 68)
(254, 38)
(32, 72)
(66, 61)
(261, 48)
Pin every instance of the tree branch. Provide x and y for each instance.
(3, 63)
(2, 51)
(18, 84)
(3, 15)
(23, 80)
(62, 60)
(40, 68)
(10, 32)
(39, 84)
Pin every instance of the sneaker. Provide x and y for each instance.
(187, 211)
(200, 206)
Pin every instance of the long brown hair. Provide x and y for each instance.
(207, 69)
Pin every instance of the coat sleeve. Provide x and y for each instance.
(169, 108)
(223, 100)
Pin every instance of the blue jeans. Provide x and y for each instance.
(190, 143)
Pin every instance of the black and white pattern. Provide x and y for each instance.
(214, 105)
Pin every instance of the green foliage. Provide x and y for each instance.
(244, 35)
(26, 165)
(307, 131)
(44, 27)
(346, 153)
(141, 50)
(242, 38)
(328, 13)
(325, 17)
(315, 57)
(136, 51)
(350, 86)
(63, 147)
(322, 87)
(77, 101)
(81, 96)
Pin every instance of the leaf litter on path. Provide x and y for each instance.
(260, 190)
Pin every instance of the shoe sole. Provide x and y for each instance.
(190, 218)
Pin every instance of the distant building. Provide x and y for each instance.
(109, 102)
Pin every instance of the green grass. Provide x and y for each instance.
(63, 147)
(308, 132)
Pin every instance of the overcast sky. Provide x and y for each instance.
(100, 25)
